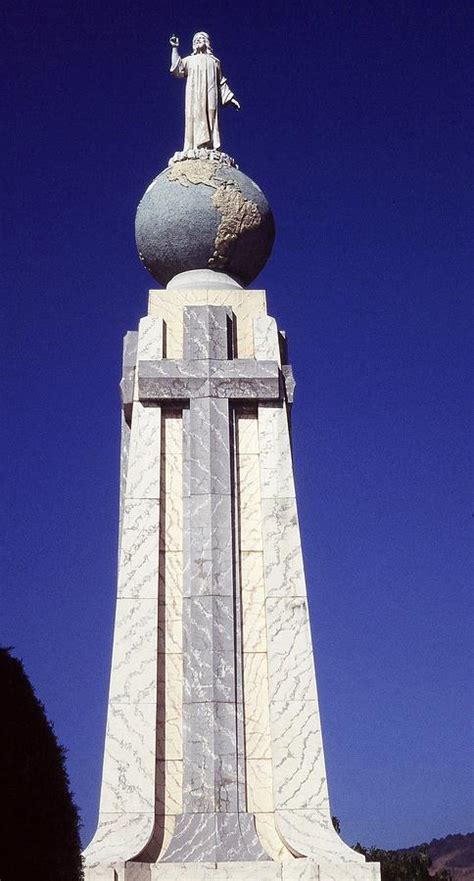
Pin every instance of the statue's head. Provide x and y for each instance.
(201, 42)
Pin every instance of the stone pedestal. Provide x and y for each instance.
(214, 765)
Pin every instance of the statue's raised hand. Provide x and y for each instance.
(174, 41)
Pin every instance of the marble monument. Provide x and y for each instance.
(214, 765)
(206, 90)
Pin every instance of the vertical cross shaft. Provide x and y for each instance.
(214, 824)
(210, 695)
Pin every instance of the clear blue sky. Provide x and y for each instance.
(354, 121)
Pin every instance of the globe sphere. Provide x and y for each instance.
(202, 214)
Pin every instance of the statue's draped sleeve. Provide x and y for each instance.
(179, 66)
(225, 92)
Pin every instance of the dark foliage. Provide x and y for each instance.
(39, 826)
(454, 852)
(399, 865)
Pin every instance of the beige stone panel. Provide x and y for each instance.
(173, 738)
(172, 482)
(170, 682)
(249, 479)
(256, 712)
(169, 305)
(259, 788)
(246, 309)
(250, 515)
(174, 334)
(173, 476)
(245, 343)
(253, 601)
(169, 823)
(251, 574)
(254, 637)
(250, 527)
(270, 839)
(169, 711)
(169, 738)
(171, 581)
(171, 533)
(169, 796)
(255, 677)
(170, 630)
(150, 338)
(247, 432)
(173, 432)
(267, 346)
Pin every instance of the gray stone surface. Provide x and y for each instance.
(240, 379)
(206, 333)
(290, 382)
(226, 837)
(202, 215)
(130, 344)
(127, 383)
(211, 784)
(209, 447)
(208, 575)
(213, 745)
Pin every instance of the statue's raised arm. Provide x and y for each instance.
(206, 90)
(175, 57)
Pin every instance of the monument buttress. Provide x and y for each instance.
(214, 765)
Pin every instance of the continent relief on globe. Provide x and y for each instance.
(180, 226)
(238, 214)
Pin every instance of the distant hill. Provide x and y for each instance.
(455, 852)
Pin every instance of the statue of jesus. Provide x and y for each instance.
(206, 90)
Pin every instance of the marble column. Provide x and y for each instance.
(214, 762)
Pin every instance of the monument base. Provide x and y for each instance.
(302, 869)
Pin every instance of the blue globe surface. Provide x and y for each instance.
(202, 214)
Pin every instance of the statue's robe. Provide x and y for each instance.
(206, 90)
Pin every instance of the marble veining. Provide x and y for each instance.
(169, 305)
(283, 559)
(138, 573)
(133, 677)
(212, 710)
(214, 765)
(143, 476)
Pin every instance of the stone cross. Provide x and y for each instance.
(214, 825)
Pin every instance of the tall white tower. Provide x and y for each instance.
(214, 764)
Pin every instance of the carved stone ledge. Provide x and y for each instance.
(204, 153)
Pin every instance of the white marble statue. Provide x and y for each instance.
(206, 90)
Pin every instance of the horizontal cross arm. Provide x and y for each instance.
(239, 379)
